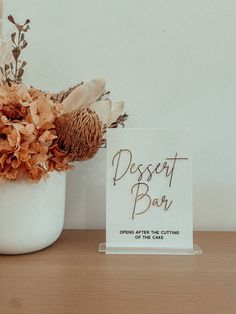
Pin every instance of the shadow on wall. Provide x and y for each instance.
(86, 194)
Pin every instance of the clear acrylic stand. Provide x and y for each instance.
(102, 248)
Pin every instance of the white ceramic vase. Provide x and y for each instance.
(31, 214)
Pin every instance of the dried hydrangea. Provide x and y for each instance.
(28, 140)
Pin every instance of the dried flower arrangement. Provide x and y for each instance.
(42, 132)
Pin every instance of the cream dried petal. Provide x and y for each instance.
(116, 110)
(103, 110)
(84, 95)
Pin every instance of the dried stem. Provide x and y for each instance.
(13, 72)
(120, 121)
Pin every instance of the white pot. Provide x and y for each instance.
(31, 214)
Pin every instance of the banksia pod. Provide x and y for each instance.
(80, 133)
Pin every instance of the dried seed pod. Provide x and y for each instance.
(79, 133)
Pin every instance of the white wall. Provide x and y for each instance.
(174, 64)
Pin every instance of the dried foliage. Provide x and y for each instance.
(14, 71)
(59, 97)
(42, 132)
(120, 121)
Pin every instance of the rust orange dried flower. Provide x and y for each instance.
(28, 140)
(80, 133)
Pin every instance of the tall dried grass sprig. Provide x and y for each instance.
(14, 70)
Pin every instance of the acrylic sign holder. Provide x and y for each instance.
(140, 183)
(102, 248)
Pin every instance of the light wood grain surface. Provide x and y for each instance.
(71, 277)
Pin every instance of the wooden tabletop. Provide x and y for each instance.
(71, 277)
